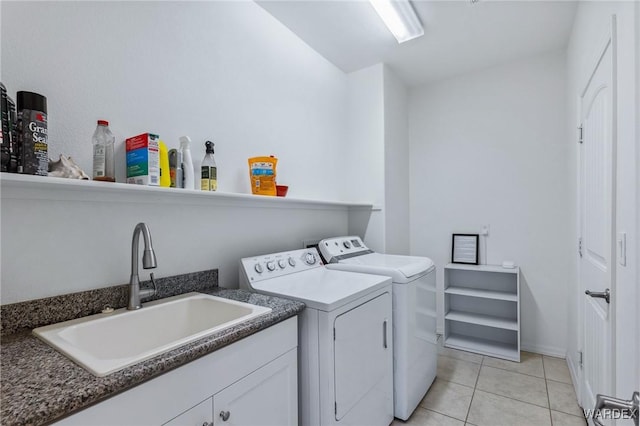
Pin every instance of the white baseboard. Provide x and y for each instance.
(544, 350)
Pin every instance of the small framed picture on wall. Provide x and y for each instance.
(464, 249)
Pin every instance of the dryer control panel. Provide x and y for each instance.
(335, 249)
(269, 266)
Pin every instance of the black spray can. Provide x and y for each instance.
(13, 136)
(33, 155)
(8, 138)
(5, 136)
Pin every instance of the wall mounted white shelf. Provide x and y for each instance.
(16, 186)
(482, 310)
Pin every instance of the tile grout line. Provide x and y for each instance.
(459, 359)
(437, 412)
(495, 394)
(557, 381)
(516, 399)
(474, 391)
(546, 386)
(501, 368)
(475, 387)
(455, 383)
(564, 360)
(517, 372)
(562, 383)
(442, 414)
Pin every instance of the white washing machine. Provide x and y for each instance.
(345, 336)
(415, 349)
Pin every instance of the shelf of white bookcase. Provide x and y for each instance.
(483, 346)
(482, 268)
(481, 319)
(485, 294)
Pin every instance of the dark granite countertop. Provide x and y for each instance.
(39, 385)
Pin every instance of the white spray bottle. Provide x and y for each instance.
(187, 163)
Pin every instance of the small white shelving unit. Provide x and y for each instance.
(482, 310)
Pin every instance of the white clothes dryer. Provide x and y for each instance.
(415, 349)
(345, 336)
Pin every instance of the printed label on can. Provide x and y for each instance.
(33, 140)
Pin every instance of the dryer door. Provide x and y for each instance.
(363, 351)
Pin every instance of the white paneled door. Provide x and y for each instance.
(597, 189)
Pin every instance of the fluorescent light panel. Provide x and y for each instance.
(400, 18)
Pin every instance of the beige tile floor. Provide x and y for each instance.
(479, 390)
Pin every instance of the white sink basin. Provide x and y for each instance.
(105, 343)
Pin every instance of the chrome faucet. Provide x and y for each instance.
(148, 262)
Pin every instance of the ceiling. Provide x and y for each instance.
(459, 36)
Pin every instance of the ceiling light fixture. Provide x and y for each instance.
(400, 18)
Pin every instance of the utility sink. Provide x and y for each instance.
(108, 342)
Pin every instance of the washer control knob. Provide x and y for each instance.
(346, 244)
(310, 258)
(292, 261)
(258, 268)
(282, 264)
(271, 265)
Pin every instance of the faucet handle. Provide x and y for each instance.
(148, 292)
(155, 288)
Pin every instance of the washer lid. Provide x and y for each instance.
(321, 288)
(401, 268)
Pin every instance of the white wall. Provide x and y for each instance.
(222, 70)
(590, 26)
(379, 158)
(396, 164)
(70, 244)
(225, 71)
(489, 147)
(365, 172)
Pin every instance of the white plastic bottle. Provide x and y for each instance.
(187, 163)
(103, 159)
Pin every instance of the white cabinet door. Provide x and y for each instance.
(266, 397)
(363, 351)
(200, 415)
